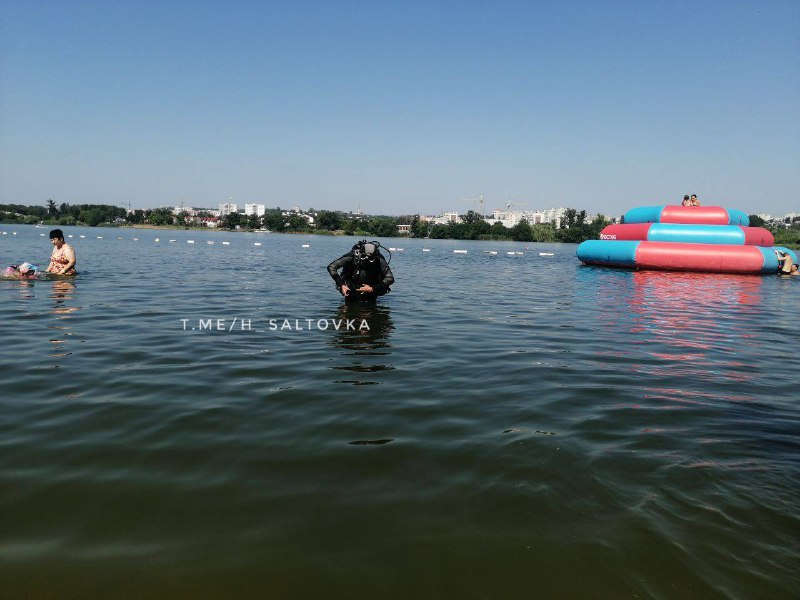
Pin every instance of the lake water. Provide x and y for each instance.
(510, 426)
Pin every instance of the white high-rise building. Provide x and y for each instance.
(509, 218)
(254, 209)
(448, 217)
(227, 208)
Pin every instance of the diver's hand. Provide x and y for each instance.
(365, 288)
(345, 290)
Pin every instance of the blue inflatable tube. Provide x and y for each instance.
(680, 256)
(602, 252)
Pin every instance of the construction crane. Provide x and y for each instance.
(510, 204)
(479, 203)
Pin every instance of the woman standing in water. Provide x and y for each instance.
(62, 260)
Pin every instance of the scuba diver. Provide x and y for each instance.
(365, 273)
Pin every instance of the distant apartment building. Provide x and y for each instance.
(227, 208)
(254, 209)
(448, 217)
(510, 218)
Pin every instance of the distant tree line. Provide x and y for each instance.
(786, 231)
(63, 214)
(472, 226)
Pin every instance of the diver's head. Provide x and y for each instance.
(365, 251)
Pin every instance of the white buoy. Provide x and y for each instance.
(545, 254)
(257, 244)
(40, 235)
(69, 236)
(519, 253)
(135, 239)
(209, 242)
(99, 237)
(399, 249)
(190, 241)
(13, 233)
(306, 246)
(172, 241)
(510, 253)
(426, 249)
(157, 240)
(226, 243)
(492, 252)
(4, 233)
(459, 251)
(83, 236)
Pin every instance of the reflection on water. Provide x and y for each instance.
(61, 294)
(640, 425)
(358, 344)
(680, 327)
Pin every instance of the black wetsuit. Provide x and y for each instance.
(376, 274)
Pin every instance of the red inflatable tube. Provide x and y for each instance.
(695, 215)
(718, 258)
(758, 236)
(748, 236)
(634, 231)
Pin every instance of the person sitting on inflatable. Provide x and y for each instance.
(686, 201)
(23, 271)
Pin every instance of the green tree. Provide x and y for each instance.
(297, 223)
(521, 232)
(329, 220)
(275, 221)
(253, 221)
(543, 232)
(383, 227)
(499, 231)
(756, 221)
(471, 218)
(92, 217)
(232, 220)
(160, 216)
(52, 209)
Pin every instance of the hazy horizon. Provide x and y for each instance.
(401, 107)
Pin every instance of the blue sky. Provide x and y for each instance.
(401, 107)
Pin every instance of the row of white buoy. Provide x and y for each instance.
(391, 249)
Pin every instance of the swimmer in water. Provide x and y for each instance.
(786, 264)
(62, 260)
(23, 271)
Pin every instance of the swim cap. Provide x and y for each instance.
(25, 267)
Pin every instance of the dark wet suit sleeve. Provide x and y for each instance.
(387, 279)
(339, 263)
